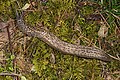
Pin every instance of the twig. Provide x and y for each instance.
(9, 74)
(31, 4)
(116, 72)
(24, 46)
(114, 57)
(114, 15)
(104, 19)
(10, 45)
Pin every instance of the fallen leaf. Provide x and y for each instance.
(3, 25)
(26, 6)
(103, 31)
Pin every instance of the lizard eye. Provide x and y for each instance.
(19, 21)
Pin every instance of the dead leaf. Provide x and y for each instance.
(103, 31)
(27, 5)
(3, 25)
(52, 59)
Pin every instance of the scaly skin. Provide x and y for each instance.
(56, 43)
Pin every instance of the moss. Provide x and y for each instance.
(61, 18)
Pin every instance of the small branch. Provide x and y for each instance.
(114, 57)
(9, 74)
(114, 15)
(10, 45)
(104, 19)
(116, 72)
